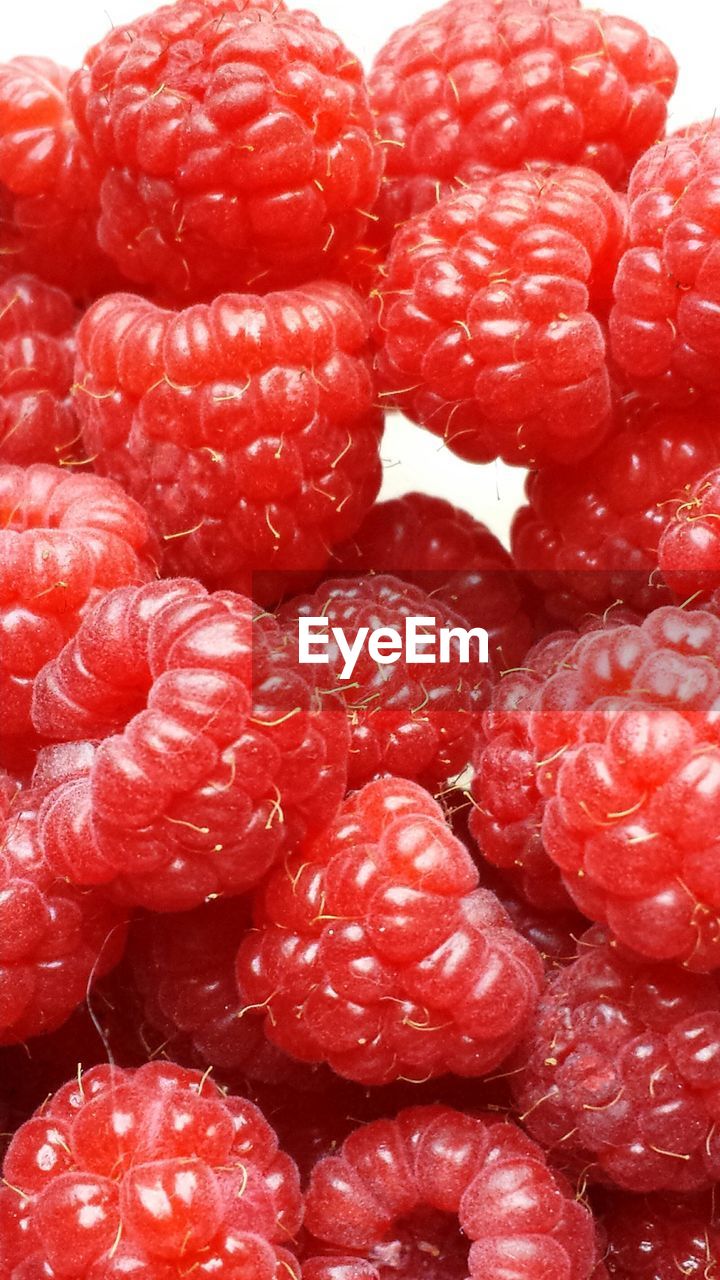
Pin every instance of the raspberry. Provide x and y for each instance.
(377, 953)
(412, 721)
(64, 541)
(625, 741)
(53, 939)
(662, 1238)
(689, 551)
(200, 752)
(506, 816)
(590, 534)
(664, 322)
(486, 334)
(492, 84)
(621, 1070)
(147, 1172)
(184, 969)
(246, 428)
(450, 555)
(37, 352)
(236, 144)
(553, 932)
(49, 186)
(439, 1195)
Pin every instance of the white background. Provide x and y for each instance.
(63, 29)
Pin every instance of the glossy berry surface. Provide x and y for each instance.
(236, 145)
(627, 761)
(663, 324)
(376, 952)
(661, 1237)
(37, 354)
(414, 720)
(246, 427)
(183, 968)
(486, 332)
(439, 1193)
(589, 534)
(148, 1173)
(689, 550)
(621, 1070)
(49, 184)
(451, 556)
(485, 85)
(65, 540)
(191, 750)
(53, 938)
(507, 807)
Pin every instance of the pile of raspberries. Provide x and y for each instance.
(396, 969)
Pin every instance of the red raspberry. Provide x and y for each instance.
(486, 334)
(37, 352)
(377, 952)
(247, 427)
(621, 1070)
(689, 550)
(626, 738)
(49, 186)
(65, 540)
(506, 815)
(664, 323)
(491, 84)
(53, 939)
(439, 1195)
(414, 721)
(151, 1173)
(661, 1238)
(236, 143)
(184, 969)
(452, 557)
(589, 535)
(201, 751)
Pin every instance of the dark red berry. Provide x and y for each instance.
(621, 1070)
(37, 354)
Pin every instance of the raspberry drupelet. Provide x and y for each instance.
(485, 85)
(37, 355)
(65, 540)
(246, 428)
(49, 184)
(436, 1194)
(689, 550)
(451, 556)
(625, 742)
(620, 1070)
(191, 751)
(152, 1172)
(183, 968)
(663, 325)
(485, 324)
(236, 145)
(54, 940)
(661, 1237)
(376, 952)
(589, 534)
(410, 720)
